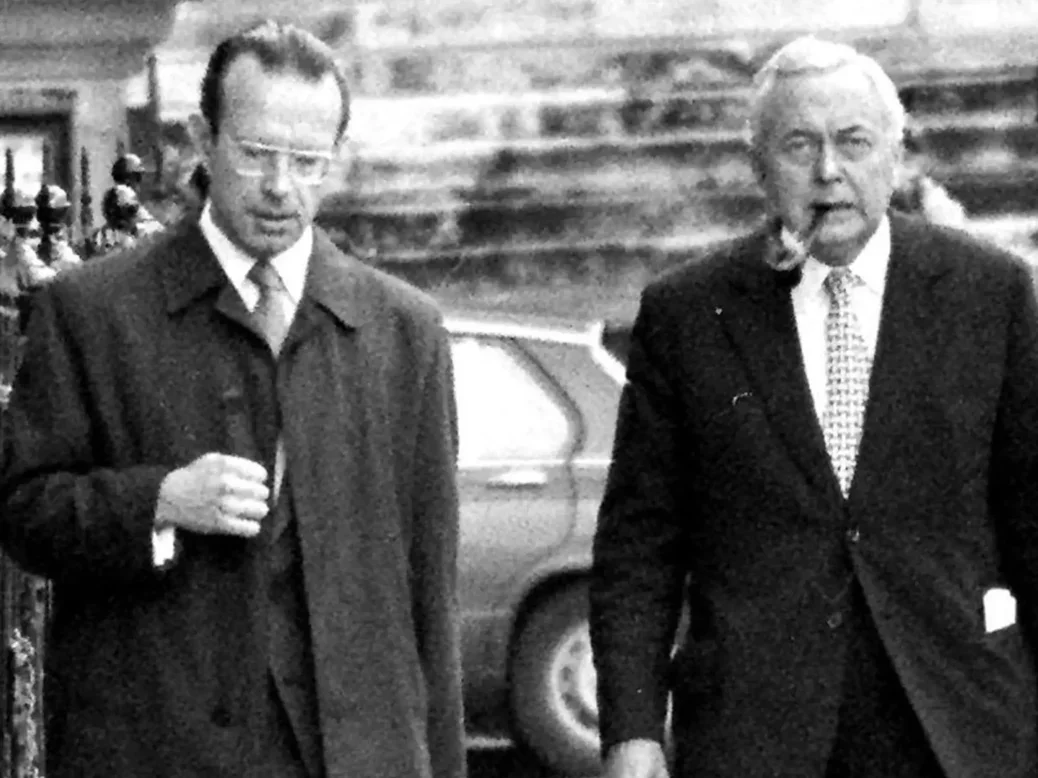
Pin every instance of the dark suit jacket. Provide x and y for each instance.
(721, 491)
(133, 367)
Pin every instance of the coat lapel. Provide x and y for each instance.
(756, 312)
(912, 334)
(334, 285)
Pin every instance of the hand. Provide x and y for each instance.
(217, 494)
(636, 759)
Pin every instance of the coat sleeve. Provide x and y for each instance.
(1014, 461)
(637, 572)
(62, 515)
(434, 559)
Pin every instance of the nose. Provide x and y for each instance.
(277, 181)
(827, 165)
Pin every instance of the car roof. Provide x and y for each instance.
(528, 326)
(586, 334)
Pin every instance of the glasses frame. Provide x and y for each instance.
(271, 162)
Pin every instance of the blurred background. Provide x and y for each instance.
(520, 157)
(550, 155)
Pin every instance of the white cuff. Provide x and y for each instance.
(163, 545)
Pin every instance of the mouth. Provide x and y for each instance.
(276, 221)
(822, 210)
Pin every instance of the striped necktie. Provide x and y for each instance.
(272, 314)
(272, 317)
(848, 366)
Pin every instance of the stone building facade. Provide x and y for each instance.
(64, 67)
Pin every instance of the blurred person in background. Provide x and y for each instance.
(828, 454)
(123, 225)
(916, 193)
(232, 450)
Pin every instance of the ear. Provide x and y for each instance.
(899, 153)
(201, 136)
(345, 156)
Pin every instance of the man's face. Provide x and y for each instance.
(276, 134)
(826, 157)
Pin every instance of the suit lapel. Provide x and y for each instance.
(756, 312)
(912, 334)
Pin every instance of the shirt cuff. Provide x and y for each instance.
(163, 546)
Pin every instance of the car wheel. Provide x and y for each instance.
(553, 685)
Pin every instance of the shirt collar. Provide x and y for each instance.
(870, 266)
(291, 264)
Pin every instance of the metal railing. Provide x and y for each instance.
(36, 247)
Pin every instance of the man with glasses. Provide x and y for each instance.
(232, 451)
(827, 457)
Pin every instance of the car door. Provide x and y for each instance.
(517, 431)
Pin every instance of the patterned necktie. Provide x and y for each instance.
(848, 365)
(271, 314)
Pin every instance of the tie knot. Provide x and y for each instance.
(265, 276)
(839, 282)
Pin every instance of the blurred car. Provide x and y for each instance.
(537, 402)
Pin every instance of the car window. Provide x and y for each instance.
(505, 412)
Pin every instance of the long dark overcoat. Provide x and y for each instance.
(136, 365)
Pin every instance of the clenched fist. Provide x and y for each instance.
(217, 494)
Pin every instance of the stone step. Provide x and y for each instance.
(623, 216)
(554, 261)
(981, 143)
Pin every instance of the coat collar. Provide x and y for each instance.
(756, 312)
(335, 282)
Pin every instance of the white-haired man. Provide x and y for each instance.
(827, 451)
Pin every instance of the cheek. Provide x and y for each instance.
(790, 189)
(309, 199)
(876, 186)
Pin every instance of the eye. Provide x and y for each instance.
(308, 163)
(797, 145)
(254, 152)
(856, 144)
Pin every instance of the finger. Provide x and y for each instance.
(244, 488)
(244, 528)
(243, 468)
(243, 508)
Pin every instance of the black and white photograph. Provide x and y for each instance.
(519, 389)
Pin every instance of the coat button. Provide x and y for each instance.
(835, 620)
(853, 535)
(221, 717)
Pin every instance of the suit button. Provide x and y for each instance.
(853, 535)
(221, 717)
(835, 620)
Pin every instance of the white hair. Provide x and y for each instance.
(809, 55)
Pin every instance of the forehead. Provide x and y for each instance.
(829, 101)
(281, 108)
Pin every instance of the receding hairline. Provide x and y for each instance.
(237, 69)
(287, 70)
(280, 48)
(808, 58)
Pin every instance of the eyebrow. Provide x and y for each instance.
(853, 129)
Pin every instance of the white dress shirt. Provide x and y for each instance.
(811, 307)
(291, 265)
